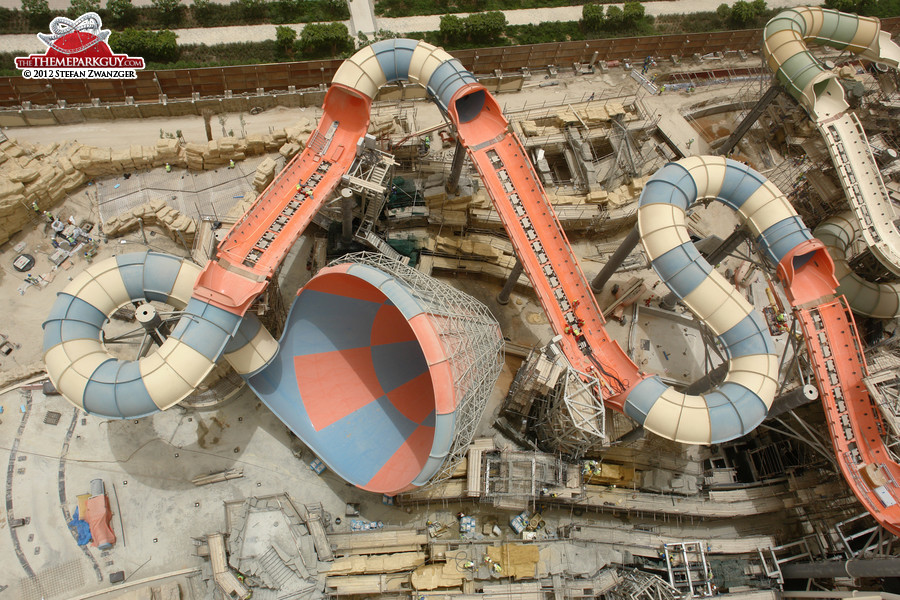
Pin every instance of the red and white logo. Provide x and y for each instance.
(78, 50)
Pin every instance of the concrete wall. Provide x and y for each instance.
(177, 108)
(236, 104)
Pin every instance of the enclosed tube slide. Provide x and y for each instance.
(819, 92)
(373, 372)
(878, 300)
(744, 398)
(82, 369)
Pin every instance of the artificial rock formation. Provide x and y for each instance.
(45, 175)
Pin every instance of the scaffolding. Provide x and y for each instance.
(557, 406)
(640, 585)
(688, 569)
(471, 341)
(523, 476)
(862, 537)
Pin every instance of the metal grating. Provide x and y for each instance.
(54, 582)
(52, 417)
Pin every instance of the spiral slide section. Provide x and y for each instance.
(83, 370)
(820, 93)
(372, 376)
(743, 400)
(878, 300)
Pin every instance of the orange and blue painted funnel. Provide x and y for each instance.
(364, 379)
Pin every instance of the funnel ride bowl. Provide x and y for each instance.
(383, 372)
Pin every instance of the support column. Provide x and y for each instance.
(615, 261)
(748, 121)
(734, 240)
(459, 157)
(708, 381)
(347, 214)
(503, 296)
(147, 316)
(800, 395)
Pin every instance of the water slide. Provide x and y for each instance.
(835, 352)
(878, 300)
(83, 370)
(377, 376)
(820, 93)
(249, 255)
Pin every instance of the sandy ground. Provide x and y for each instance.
(364, 20)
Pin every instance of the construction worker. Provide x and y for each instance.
(781, 317)
(689, 142)
(168, 168)
(496, 568)
(469, 564)
(231, 164)
(36, 208)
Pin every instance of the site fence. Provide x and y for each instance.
(187, 84)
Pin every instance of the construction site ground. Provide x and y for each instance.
(148, 463)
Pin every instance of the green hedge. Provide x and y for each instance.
(201, 13)
(155, 46)
(408, 8)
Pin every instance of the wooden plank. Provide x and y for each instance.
(225, 579)
(317, 530)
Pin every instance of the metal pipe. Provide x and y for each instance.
(615, 261)
(708, 381)
(870, 567)
(147, 316)
(853, 594)
(459, 157)
(503, 296)
(347, 214)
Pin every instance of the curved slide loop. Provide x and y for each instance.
(407, 60)
(822, 96)
(737, 406)
(805, 78)
(372, 377)
(878, 300)
(82, 369)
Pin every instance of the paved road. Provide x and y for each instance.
(364, 20)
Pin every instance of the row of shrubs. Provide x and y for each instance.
(597, 21)
(408, 8)
(160, 49)
(161, 14)
(332, 40)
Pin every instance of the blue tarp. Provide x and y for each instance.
(82, 529)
